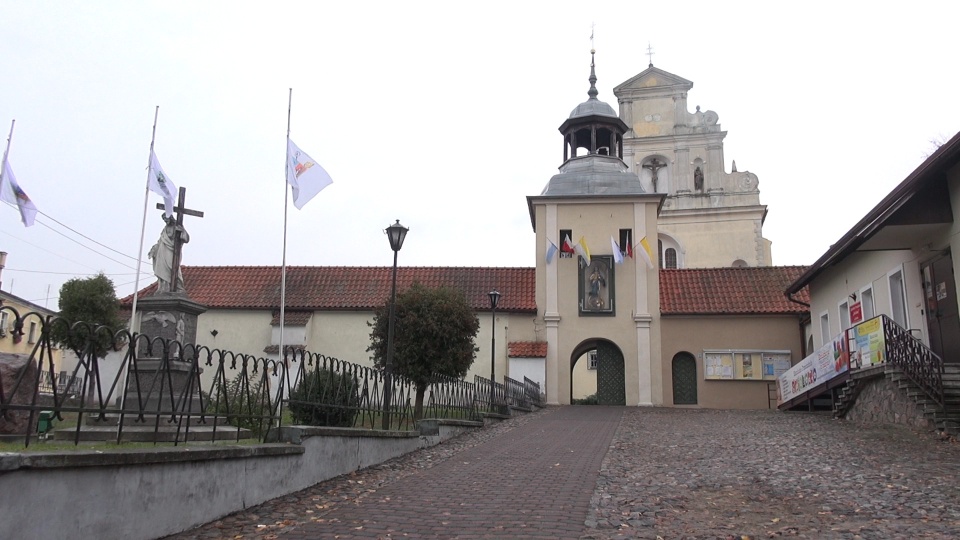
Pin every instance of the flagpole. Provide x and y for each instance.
(136, 279)
(283, 270)
(6, 151)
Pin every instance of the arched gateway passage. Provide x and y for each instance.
(611, 380)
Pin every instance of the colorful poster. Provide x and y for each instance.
(869, 348)
(824, 364)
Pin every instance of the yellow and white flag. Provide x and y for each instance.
(305, 176)
(646, 253)
(582, 250)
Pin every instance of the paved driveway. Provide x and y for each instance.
(616, 472)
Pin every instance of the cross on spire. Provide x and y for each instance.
(650, 53)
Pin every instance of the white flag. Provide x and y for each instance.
(161, 184)
(305, 175)
(10, 191)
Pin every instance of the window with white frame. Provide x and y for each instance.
(898, 298)
(844, 309)
(32, 335)
(866, 303)
(3, 323)
(825, 335)
(592, 360)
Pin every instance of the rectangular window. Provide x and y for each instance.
(32, 336)
(898, 298)
(825, 335)
(3, 323)
(592, 360)
(566, 249)
(866, 298)
(844, 309)
(626, 241)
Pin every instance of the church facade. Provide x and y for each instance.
(652, 284)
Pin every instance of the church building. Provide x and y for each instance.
(653, 284)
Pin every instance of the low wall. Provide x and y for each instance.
(882, 402)
(150, 493)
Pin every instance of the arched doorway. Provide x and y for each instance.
(611, 378)
(684, 371)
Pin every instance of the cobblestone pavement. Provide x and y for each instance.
(682, 473)
(665, 473)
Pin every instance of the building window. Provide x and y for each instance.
(3, 323)
(566, 244)
(660, 251)
(844, 310)
(825, 334)
(626, 241)
(32, 336)
(866, 300)
(898, 298)
(592, 360)
(670, 258)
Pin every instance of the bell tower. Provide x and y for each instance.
(595, 295)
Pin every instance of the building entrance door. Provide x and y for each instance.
(611, 380)
(942, 314)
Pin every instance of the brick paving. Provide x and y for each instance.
(613, 473)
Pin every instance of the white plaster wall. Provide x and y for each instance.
(531, 368)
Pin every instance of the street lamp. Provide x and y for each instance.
(395, 233)
(494, 299)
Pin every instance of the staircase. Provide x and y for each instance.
(945, 418)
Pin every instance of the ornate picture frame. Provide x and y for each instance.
(596, 286)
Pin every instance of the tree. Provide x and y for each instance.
(434, 333)
(91, 300)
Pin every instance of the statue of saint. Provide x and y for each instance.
(698, 179)
(166, 253)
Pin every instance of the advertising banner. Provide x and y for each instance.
(826, 363)
(870, 345)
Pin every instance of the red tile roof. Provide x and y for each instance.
(527, 349)
(348, 287)
(717, 291)
(291, 318)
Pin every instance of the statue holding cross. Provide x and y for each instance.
(166, 253)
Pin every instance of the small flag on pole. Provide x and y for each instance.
(551, 250)
(582, 250)
(567, 246)
(10, 191)
(617, 254)
(161, 184)
(305, 175)
(646, 253)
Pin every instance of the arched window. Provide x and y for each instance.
(670, 258)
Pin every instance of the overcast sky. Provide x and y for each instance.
(442, 115)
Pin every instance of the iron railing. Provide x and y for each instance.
(920, 364)
(516, 393)
(133, 387)
(533, 392)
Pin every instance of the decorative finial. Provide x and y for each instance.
(593, 78)
(650, 53)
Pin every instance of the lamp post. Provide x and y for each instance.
(494, 299)
(395, 233)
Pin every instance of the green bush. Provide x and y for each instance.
(589, 400)
(325, 398)
(245, 404)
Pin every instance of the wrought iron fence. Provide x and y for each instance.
(516, 393)
(920, 364)
(532, 390)
(133, 387)
(491, 396)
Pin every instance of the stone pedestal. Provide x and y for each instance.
(164, 317)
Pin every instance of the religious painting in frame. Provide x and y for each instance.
(596, 286)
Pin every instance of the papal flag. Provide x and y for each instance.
(582, 250)
(161, 184)
(10, 191)
(305, 176)
(646, 252)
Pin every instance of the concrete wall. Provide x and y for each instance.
(696, 334)
(144, 494)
